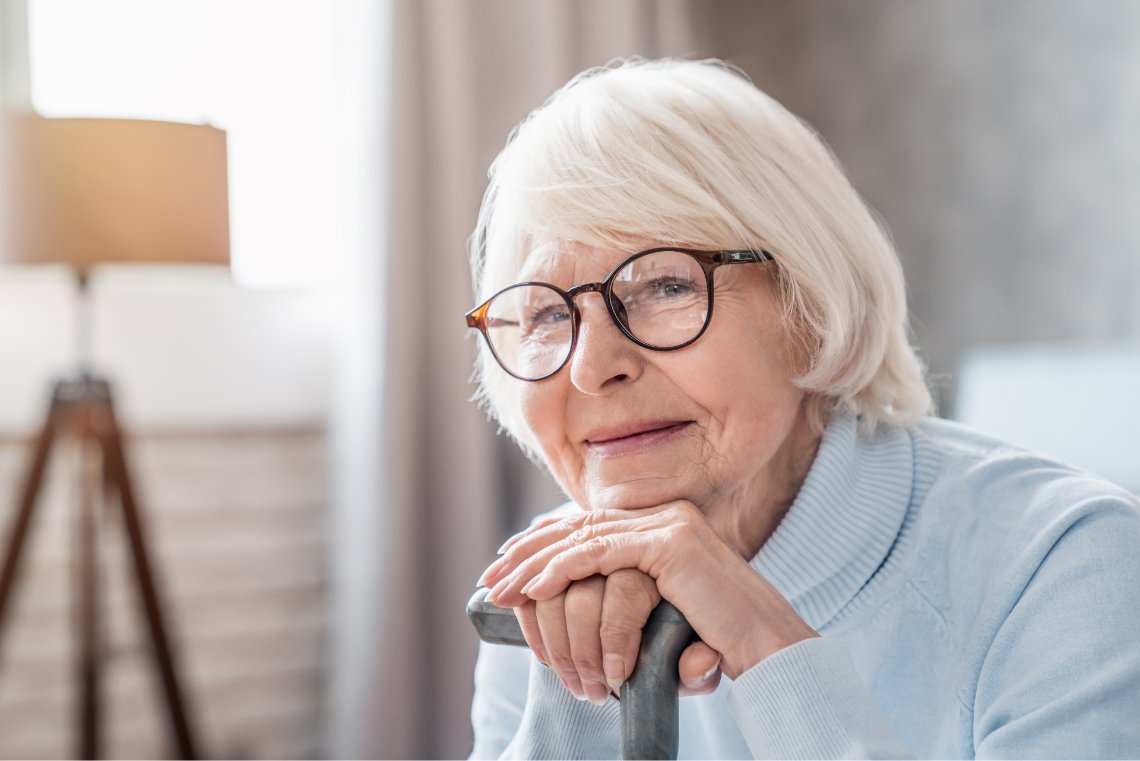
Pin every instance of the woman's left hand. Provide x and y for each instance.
(733, 609)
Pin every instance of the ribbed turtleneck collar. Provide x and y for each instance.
(844, 520)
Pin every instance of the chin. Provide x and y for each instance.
(635, 495)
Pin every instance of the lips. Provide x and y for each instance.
(634, 438)
(613, 434)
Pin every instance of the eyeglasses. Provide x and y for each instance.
(661, 299)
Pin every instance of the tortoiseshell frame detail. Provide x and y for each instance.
(708, 260)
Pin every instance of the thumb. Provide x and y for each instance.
(699, 669)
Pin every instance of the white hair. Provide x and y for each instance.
(692, 153)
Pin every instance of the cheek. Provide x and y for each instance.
(755, 395)
(543, 409)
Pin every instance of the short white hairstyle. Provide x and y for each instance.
(692, 153)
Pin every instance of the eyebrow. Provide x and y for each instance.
(537, 268)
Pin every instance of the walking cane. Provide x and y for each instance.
(648, 697)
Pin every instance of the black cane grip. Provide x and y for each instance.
(648, 698)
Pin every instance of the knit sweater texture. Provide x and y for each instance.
(974, 600)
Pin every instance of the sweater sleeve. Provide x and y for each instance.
(807, 701)
(555, 724)
(1061, 677)
(522, 710)
(500, 695)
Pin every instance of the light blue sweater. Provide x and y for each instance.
(974, 600)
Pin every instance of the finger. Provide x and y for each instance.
(528, 622)
(630, 596)
(585, 525)
(498, 566)
(699, 669)
(525, 544)
(583, 620)
(552, 624)
(602, 554)
(536, 525)
(508, 591)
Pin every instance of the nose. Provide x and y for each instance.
(603, 357)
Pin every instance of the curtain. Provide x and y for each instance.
(449, 489)
(15, 76)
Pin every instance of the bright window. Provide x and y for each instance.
(260, 69)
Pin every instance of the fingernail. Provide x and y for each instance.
(529, 586)
(708, 674)
(614, 667)
(506, 545)
(599, 701)
(495, 569)
(497, 590)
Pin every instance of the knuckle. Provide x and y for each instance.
(565, 525)
(633, 589)
(685, 512)
(562, 663)
(620, 639)
(580, 536)
(618, 627)
(648, 599)
(630, 580)
(589, 518)
(590, 669)
(678, 532)
(597, 546)
(626, 611)
(587, 659)
(601, 515)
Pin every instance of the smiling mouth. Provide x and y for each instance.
(637, 441)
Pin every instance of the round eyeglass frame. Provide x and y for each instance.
(709, 261)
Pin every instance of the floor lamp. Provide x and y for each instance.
(85, 192)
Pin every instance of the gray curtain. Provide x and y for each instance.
(15, 75)
(463, 74)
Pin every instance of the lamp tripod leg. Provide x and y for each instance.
(119, 480)
(88, 585)
(29, 493)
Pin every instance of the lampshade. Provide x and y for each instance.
(93, 191)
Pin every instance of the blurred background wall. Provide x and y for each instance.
(321, 435)
(996, 140)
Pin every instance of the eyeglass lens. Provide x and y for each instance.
(660, 298)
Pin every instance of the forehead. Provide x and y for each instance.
(572, 262)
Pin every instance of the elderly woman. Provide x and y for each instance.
(694, 322)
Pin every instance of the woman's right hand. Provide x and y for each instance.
(591, 633)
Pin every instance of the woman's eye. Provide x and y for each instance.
(547, 316)
(670, 288)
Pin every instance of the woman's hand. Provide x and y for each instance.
(590, 635)
(733, 609)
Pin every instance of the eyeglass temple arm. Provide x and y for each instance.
(745, 257)
(649, 723)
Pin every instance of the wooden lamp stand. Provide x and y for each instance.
(82, 408)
